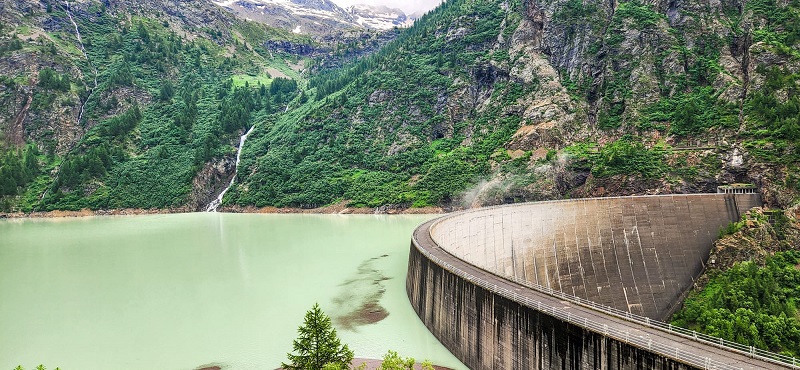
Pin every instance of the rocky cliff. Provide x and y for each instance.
(685, 74)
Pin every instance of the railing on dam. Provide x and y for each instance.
(627, 336)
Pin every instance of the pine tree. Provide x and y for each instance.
(317, 345)
(31, 163)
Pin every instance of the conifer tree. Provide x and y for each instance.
(317, 345)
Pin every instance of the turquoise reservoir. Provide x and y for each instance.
(187, 290)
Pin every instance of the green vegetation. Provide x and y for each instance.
(782, 25)
(393, 361)
(163, 107)
(419, 122)
(626, 156)
(369, 136)
(773, 125)
(575, 10)
(317, 346)
(19, 170)
(242, 80)
(641, 15)
(689, 113)
(50, 79)
(750, 304)
(731, 228)
(13, 45)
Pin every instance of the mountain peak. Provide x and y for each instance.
(378, 16)
(316, 17)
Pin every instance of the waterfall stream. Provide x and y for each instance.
(212, 207)
(68, 10)
(85, 55)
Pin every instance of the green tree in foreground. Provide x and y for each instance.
(317, 345)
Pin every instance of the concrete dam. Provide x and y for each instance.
(575, 284)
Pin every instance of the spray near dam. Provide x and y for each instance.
(575, 284)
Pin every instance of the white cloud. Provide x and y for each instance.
(408, 6)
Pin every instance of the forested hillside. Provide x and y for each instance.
(491, 102)
(139, 112)
(750, 292)
(480, 102)
(371, 129)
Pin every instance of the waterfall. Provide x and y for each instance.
(212, 207)
(85, 55)
(68, 10)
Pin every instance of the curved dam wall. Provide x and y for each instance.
(469, 275)
(488, 331)
(636, 254)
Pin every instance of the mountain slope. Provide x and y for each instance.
(509, 102)
(479, 103)
(138, 111)
(378, 130)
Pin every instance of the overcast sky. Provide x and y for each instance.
(408, 6)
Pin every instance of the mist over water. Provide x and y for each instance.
(181, 291)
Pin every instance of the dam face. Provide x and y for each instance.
(636, 254)
(471, 274)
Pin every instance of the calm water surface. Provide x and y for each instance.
(181, 291)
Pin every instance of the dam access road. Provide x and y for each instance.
(577, 284)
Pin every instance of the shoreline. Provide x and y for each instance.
(368, 363)
(338, 208)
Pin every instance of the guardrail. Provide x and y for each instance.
(622, 335)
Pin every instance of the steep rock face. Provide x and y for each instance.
(615, 52)
(291, 47)
(623, 61)
(550, 113)
(210, 181)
